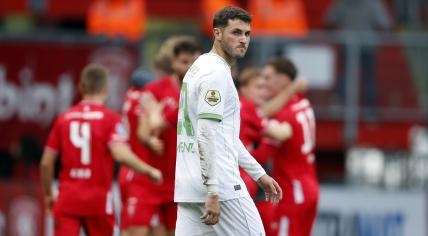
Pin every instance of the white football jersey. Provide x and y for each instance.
(208, 92)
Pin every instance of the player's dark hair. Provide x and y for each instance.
(248, 75)
(186, 44)
(283, 66)
(222, 17)
(93, 79)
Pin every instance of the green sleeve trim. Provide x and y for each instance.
(210, 116)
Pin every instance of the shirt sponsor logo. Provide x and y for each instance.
(88, 115)
(213, 97)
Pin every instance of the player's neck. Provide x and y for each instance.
(219, 51)
(96, 98)
(176, 80)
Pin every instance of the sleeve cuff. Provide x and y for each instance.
(258, 175)
(212, 189)
(210, 116)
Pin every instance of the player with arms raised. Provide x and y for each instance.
(294, 160)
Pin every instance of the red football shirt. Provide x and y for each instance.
(81, 136)
(131, 111)
(295, 157)
(251, 123)
(167, 91)
(251, 133)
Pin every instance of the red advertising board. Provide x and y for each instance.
(38, 80)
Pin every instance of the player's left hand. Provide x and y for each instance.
(273, 192)
(49, 203)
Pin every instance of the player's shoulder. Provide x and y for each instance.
(157, 85)
(132, 94)
(300, 102)
(246, 104)
(109, 114)
(69, 112)
(211, 62)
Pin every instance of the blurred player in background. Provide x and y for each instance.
(160, 102)
(294, 159)
(255, 125)
(256, 128)
(131, 110)
(86, 137)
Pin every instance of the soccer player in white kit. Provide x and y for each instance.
(212, 198)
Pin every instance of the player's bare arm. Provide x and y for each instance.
(47, 167)
(276, 103)
(123, 154)
(278, 131)
(153, 108)
(145, 135)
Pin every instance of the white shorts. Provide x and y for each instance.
(239, 217)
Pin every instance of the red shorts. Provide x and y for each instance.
(266, 211)
(150, 207)
(295, 214)
(69, 225)
(152, 215)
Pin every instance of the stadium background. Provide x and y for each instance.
(372, 157)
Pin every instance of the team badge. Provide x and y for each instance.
(213, 97)
(121, 130)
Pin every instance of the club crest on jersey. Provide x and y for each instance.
(213, 97)
(121, 130)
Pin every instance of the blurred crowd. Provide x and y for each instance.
(132, 20)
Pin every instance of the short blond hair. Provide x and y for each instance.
(166, 52)
(248, 75)
(93, 79)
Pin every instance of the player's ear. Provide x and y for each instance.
(217, 33)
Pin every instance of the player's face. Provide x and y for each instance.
(182, 63)
(235, 38)
(275, 82)
(255, 90)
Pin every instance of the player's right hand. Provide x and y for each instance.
(155, 175)
(49, 203)
(211, 214)
(273, 192)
